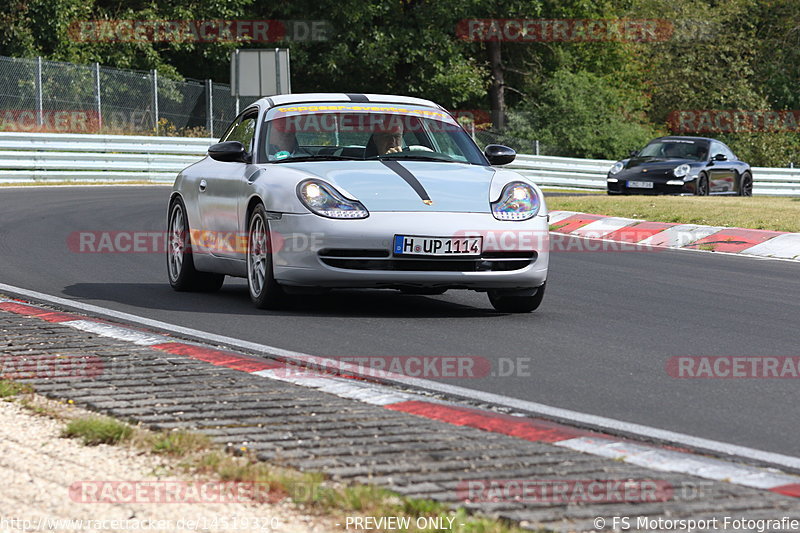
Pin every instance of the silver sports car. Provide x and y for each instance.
(307, 192)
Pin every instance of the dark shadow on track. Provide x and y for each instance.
(233, 299)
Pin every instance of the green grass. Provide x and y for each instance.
(10, 389)
(197, 456)
(177, 443)
(778, 214)
(547, 190)
(94, 430)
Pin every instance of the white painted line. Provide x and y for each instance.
(786, 246)
(117, 332)
(673, 461)
(604, 226)
(600, 422)
(345, 388)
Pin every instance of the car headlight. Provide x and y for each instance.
(616, 168)
(681, 170)
(518, 201)
(322, 199)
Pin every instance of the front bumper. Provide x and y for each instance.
(312, 251)
(660, 186)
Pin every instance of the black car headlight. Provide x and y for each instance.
(681, 170)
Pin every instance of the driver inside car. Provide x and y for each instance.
(282, 142)
(388, 139)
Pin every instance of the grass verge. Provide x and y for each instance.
(765, 213)
(10, 389)
(195, 455)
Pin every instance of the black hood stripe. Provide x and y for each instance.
(359, 98)
(406, 174)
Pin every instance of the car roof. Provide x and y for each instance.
(303, 98)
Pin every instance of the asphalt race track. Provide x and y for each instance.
(599, 343)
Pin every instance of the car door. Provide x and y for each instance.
(734, 167)
(720, 168)
(220, 189)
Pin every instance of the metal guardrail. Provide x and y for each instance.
(26, 157)
(565, 172)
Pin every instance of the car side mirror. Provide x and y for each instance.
(229, 152)
(497, 154)
(720, 157)
(634, 153)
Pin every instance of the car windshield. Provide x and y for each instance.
(342, 132)
(675, 149)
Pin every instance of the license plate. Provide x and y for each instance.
(438, 246)
(640, 184)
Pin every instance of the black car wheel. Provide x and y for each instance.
(746, 185)
(701, 188)
(180, 264)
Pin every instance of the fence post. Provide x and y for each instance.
(536, 147)
(97, 91)
(39, 99)
(210, 107)
(155, 98)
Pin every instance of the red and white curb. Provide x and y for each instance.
(761, 243)
(531, 429)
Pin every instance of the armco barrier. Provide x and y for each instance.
(26, 157)
(550, 171)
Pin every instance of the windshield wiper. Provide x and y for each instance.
(318, 157)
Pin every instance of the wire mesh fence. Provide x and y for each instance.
(51, 96)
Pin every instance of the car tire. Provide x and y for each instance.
(182, 274)
(265, 292)
(701, 188)
(746, 184)
(517, 301)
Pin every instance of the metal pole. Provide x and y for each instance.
(288, 75)
(39, 99)
(210, 108)
(236, 80)
(536, 147)
(155, 98)
(277, 72)
(97, 91)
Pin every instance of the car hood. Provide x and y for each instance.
(452, 187)
(657, 164)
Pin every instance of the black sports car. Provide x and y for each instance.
(681, 165)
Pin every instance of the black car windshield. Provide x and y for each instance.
(328, 132)
(676, 149)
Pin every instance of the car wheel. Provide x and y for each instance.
(701, 188)
(180, 265)
(746, 185)
(517, 301)
(264, 290)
